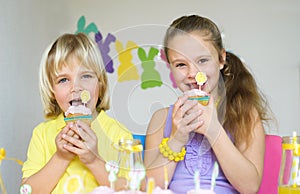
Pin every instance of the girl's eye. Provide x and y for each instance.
(180, 65)
(203, 60)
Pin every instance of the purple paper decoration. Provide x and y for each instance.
(104, 50)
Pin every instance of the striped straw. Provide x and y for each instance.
(295, 163)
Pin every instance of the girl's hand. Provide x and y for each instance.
(86, 146)
(185, 118)
(209, 118)
(61, 142)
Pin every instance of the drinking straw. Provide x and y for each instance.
(295, 160)
(214, 175)
(287, 166)
(150, 185)
(197, 181)
(166, 177)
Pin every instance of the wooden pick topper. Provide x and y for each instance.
(2, 154)
(85, 96)
(201, 78)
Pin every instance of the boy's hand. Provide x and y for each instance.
(61, 143)
(86, 146)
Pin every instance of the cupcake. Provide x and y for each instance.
(102, 190)
(108, 190)
(80, 111)
(201, 191)
(159, 190)
(198, 94)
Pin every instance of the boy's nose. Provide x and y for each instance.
(76, 86)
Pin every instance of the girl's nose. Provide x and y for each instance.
(193, 70)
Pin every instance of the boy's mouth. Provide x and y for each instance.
(76, 102)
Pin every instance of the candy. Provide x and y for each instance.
(85, 96)
(201, 78)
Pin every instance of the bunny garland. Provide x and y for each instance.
(127, 70)
(150, 76)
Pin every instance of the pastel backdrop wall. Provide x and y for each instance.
(264, 33)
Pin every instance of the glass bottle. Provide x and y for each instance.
(289, 176)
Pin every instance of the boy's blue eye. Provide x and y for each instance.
(63, 80)
(86, 76)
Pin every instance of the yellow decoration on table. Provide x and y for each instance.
(150, 185)
(2, 154)
(166, 151)
(3, 157)
(201, 78)
(129, 147)
(85, 96)
(73, 184)
(288, 190)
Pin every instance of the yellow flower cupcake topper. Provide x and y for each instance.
(201, 78)
(2, 154)
(85, 96)
(3, 157)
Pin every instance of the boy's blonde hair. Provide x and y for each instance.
(55, 57)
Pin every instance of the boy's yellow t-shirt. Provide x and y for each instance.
(77, 177)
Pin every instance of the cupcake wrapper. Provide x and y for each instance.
(78, 118)
(204, 98)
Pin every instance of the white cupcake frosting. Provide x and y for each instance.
(81, 109)
(196, 92)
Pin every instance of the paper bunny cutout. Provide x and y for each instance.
(104, 50)
(127, 70)
(81, 26)
(150, 76)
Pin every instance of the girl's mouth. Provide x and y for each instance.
(203, 86)
(194, 86)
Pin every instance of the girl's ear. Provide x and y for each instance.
(223, 57)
